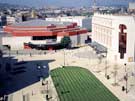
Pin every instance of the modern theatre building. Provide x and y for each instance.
(48, 34)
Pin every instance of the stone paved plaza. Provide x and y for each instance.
(84, 57)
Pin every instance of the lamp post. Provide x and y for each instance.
(106, 66)
(89, 59)
(125, 67)
(64, 57)
(115, 74)
(126, 78)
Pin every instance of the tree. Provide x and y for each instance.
(66, 42)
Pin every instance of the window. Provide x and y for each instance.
(43, 37)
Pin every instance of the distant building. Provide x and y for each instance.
(131, 7)
(6, 20)
(24, 18)
(3, 20)
(37, 33)
(82, 21)
(10, 20)
(116, 34)
(33, 14)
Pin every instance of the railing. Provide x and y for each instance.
(50, 40)
(27, 52)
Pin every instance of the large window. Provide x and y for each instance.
(43, 37)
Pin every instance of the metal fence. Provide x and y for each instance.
(27, 52)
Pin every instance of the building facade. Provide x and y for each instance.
(116, 33)
(42, 33)
(131, 7)
(6, 20)
(82, 21)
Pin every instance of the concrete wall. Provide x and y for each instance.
(83, 37)
(130, 24)
(87, 23)
(16, 43)
(73, 40)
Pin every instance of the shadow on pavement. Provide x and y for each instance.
(16, 75)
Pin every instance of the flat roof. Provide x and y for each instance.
(38, 22)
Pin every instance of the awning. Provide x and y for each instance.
(98, 47)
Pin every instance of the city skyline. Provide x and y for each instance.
(65, 3)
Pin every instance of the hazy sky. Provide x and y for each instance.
(75, 3)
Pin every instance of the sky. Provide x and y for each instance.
(67, 3)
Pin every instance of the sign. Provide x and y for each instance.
(130, 59)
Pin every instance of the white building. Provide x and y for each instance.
(82, 21)
(11, 20)
(132, 6)
(117, 34)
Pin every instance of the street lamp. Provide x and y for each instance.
(115, 74)
(106, 66)
(47, 95)
(89, 59)
(126, 79)
(125, 67)
(64, 57)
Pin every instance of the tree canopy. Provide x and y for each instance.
(65, 41)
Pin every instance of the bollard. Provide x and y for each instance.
(123, 88)
(108, 77)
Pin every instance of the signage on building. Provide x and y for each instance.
(130, 59)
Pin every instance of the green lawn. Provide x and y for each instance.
(78, 84)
